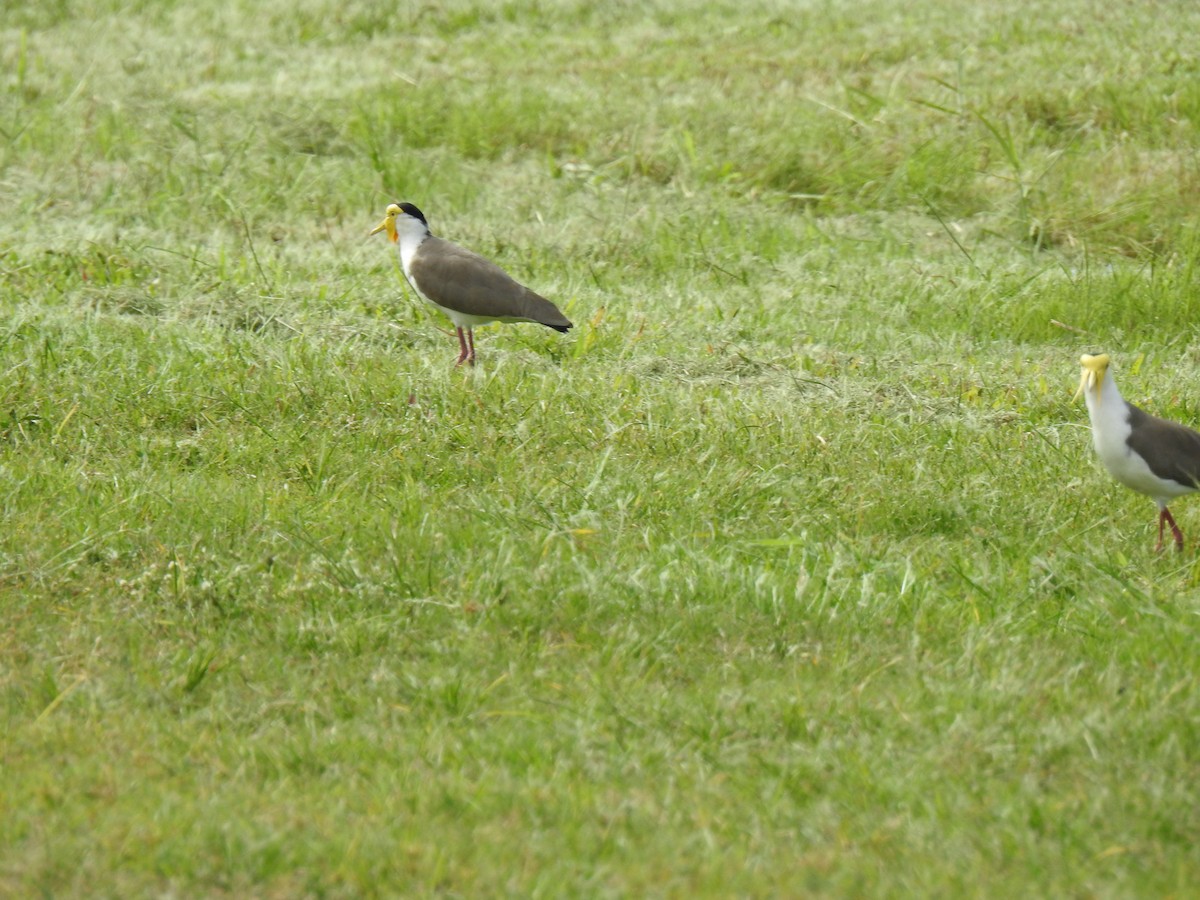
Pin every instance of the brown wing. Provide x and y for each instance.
(465, 282)
(1171, 450)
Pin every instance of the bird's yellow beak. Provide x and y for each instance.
(1094, 368)
(388, 224)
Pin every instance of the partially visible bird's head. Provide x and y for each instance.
(401, 213)
(1092, 375)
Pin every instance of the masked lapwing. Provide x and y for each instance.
(469, 289)
(1155, 457)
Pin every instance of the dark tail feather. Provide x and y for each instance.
(542, 310)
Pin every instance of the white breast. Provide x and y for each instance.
(1110, 436)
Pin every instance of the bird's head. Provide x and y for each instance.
(1092, 375)
(398, 215)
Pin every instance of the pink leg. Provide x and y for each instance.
(463, 354)
(1165, 516)
(471, 339)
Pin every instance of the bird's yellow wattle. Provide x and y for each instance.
(1084, 377)
(1094, 368)
(388, 225)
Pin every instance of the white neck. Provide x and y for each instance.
(410, 234)
(1104, 398)
(1110, 416)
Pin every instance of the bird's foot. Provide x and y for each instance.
(1165, 518)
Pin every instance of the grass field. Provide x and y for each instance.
(788, 572)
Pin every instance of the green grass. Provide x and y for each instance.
(788, 572)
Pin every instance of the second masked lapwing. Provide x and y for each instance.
(1158, 458)
(469, 289)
